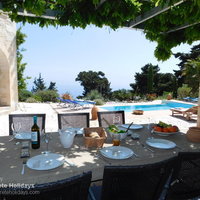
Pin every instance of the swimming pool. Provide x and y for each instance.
(163, 106)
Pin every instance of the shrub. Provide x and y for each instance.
(66, 95)
(184, 91)
(46, 95)
(121, 95)
(24, 95)
(151, 97)
(99, 102)
(31, 100)
(94, 94)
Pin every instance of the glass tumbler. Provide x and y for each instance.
(116, 139)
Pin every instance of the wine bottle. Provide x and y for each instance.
(35, 134)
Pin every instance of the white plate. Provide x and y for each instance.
(164, 133)
(160, 143)
(79, 131)
(45, 161)
(116, 152)
(23, 136)
(134, 126)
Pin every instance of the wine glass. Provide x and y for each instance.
(46, 137)
(116, 120)
(15, 128)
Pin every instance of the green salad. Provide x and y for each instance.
(114, 129)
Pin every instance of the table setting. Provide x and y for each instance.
(52, 159)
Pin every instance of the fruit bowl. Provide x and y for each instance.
(164, 133)
(164, 129)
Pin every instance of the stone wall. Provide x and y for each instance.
(8, 64)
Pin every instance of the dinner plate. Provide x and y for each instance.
(160, 143)
(134, 126)
(164, 133)
(23, 136)
(117, 152)
(45, 161)
(78, 131)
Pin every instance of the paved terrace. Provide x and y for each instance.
(51, 110)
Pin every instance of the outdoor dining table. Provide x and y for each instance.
(84, 159)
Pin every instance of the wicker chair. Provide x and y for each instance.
(187, 185)
(74, 188)
(112, 117)
(26, 121)
(73, 120)
(142, 182)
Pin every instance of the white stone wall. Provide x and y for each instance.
(8, 64)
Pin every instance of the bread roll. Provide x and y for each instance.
(94, 135)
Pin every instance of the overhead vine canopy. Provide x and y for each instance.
(180, 23)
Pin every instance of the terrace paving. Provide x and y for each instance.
(51, 110)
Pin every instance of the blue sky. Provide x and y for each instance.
(59, 54)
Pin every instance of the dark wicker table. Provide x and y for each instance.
(85, 159)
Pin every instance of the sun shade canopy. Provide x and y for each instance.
(169, 23)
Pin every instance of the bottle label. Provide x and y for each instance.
(34, 137)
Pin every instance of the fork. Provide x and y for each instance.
(23, 166)
(146, 147)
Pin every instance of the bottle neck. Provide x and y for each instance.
(35, 120)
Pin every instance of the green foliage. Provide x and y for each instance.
(121, 95)
(39, 84)
(117, 14)
(141, 79)
(150, 81)
(150, 77)
(151, 97)
(94, 81)
(184, 58)
(52, 86)
(192, 74)
(20, 39)
(24, 95)
(31, 100)
(46, 95)
(93, 94)
(99, 102)
(184, 91)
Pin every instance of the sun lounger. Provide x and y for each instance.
(195, 100)
(62, 102)
(186, 112)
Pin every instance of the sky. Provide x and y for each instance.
(59, 54)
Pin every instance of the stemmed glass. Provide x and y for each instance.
(46, 137)
(116, 120)
(15, 128)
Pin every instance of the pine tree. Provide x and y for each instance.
(39, 84)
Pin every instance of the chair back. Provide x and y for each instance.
(112, 117)
(142, 182)
(26, 121)
(73, 188)
(73, 120)
(187, 183)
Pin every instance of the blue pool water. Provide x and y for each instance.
(163, 106)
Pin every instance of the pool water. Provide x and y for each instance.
(162, 106)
